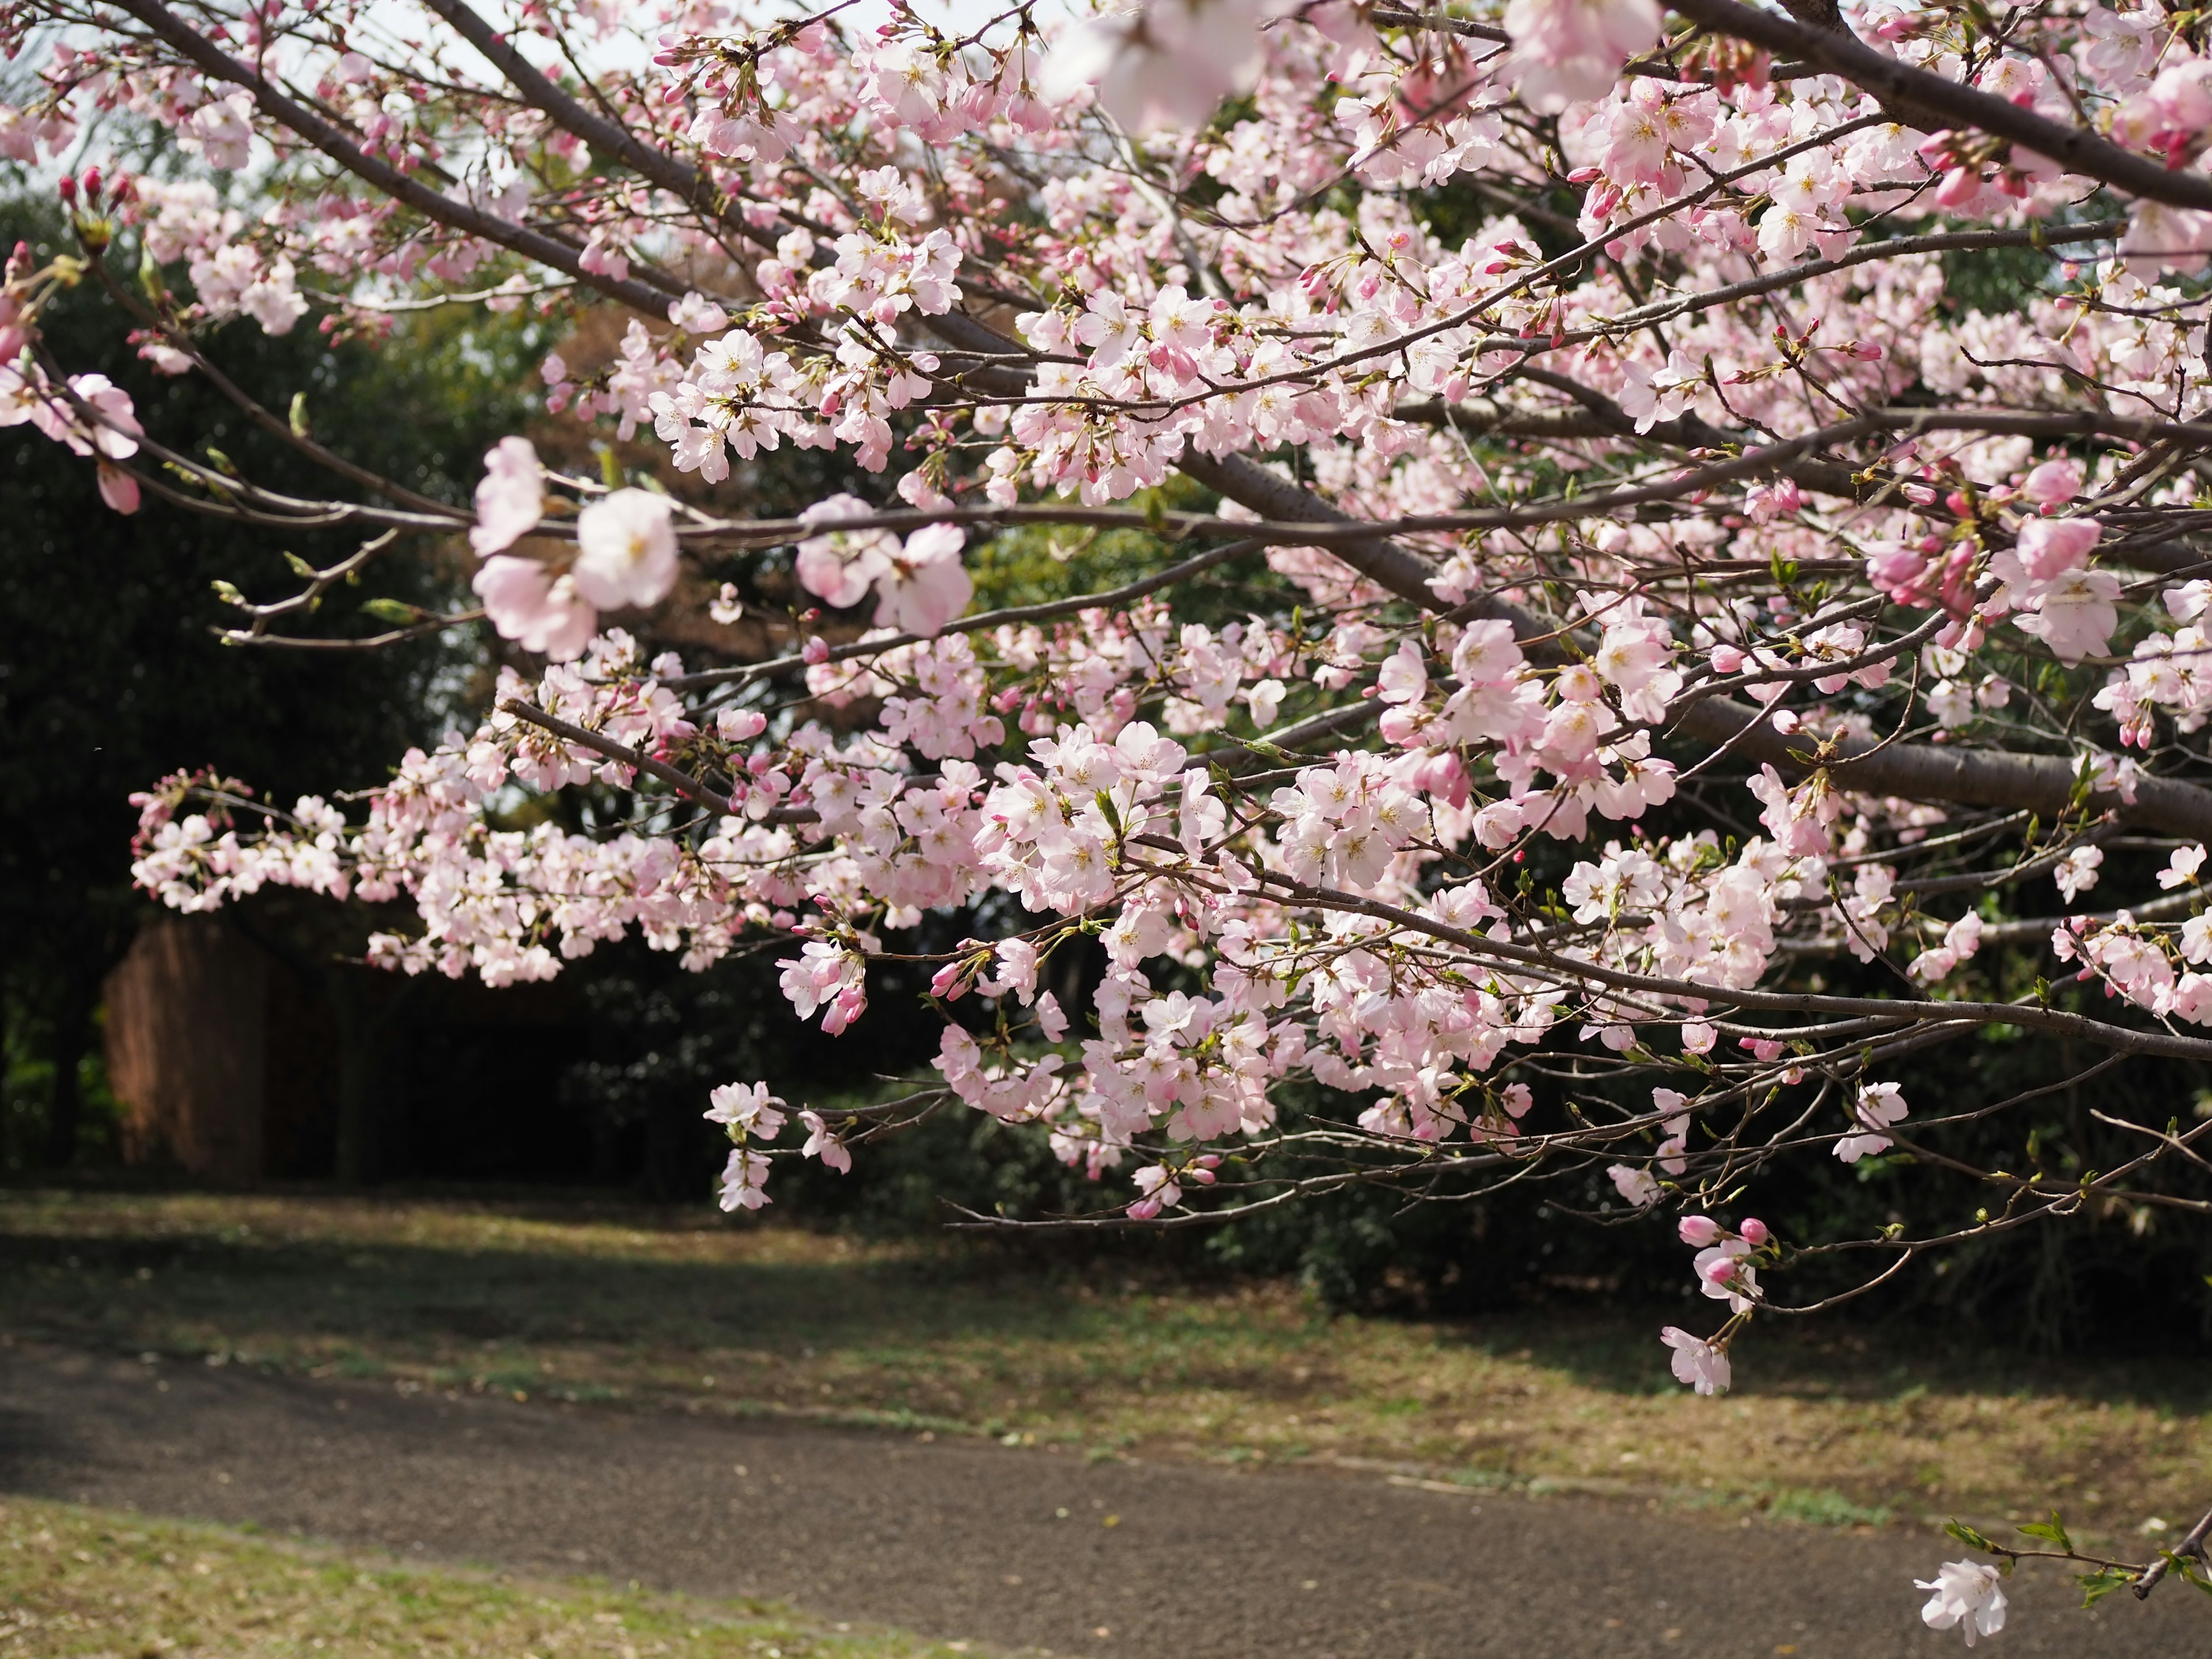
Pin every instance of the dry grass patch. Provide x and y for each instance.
(84, 1583)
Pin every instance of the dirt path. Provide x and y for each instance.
(1017, 1549)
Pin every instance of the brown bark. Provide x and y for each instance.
(186, 1034)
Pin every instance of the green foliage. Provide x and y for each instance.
(2096, 1586)
(1036, 565)
(1968, 1536)
(1824, 1507)
(1993, 280)
(27, 1087)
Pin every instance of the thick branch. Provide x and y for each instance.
(2043, 784)
(1943, 104)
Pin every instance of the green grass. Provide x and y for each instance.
(84, 1583)
(534, 1300)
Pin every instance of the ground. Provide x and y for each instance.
(993, 1456)
(1009, 1549)
(1827, 1424)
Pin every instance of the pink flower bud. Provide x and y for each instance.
(1935, 147)
(816, 650)
(1719, 1270)
(1754, 1232)
(1700, 1230)
(1896, 569)
(1959, 187)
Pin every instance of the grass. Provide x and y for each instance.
(83, 1584)
(1829, 1425)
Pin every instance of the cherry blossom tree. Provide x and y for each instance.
(1679, 607)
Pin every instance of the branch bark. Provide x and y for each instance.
(1945, 104)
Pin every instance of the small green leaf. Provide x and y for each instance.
(391, 611)
(2096, 1586)
(227, 592)
(2053, 1530)
(223, 463)
(300, 567)
(1966, 1536)
(298, 414)
(149, 277)
(1112, 813)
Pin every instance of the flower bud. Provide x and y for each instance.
(1700, 1230)
(1754, 1232)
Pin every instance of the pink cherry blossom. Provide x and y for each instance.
(2048, 548)
(744, 1180)
(821, 1143)
(1167, 64)
(747, 1110)
(118, 489)
(1569, 50)
(1968, 1596)
(1637, 1185)
(839, 567)
(1698, 1363)
(924, 585)
(1878, 1106)
(626, 549)
(535, 609)
(510, 499)
(2076, 614)
(2053, 483)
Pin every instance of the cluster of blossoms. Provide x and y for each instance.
(1653, 608)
